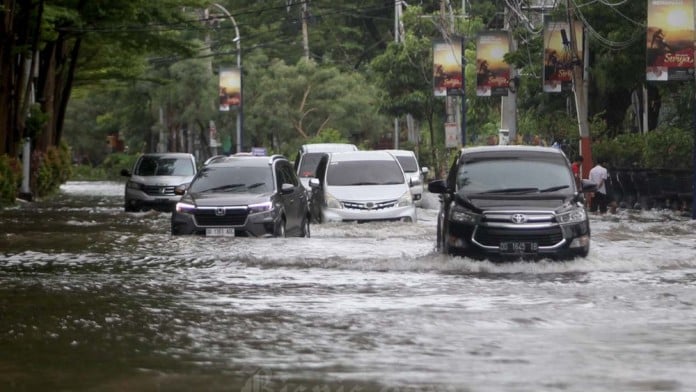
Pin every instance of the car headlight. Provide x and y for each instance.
(576, 215)
(405, 200)
(184, 208)
(261, 207)
(134, 185)
(331, 202)
(461, 215)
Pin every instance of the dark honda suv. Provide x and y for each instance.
(244, 196)
(502, 202)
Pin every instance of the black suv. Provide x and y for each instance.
(512, 202)
(243, 196)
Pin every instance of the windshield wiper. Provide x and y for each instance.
(366, 183)
(511, 190)
(256, 185)
(554, 188)
(223, 188)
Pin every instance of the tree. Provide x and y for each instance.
(53, 37)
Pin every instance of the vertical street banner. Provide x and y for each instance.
(447, 68)
(492, 72)
(670, 40)
(230, 88)
(558, 55)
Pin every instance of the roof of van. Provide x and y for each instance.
(510, 150)
(328, 147)
(362, 156)
(404, 153)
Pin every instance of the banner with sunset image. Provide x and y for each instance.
(447, 68)
(558, 55)
(670, 40)
(492, 72)
(230, 88)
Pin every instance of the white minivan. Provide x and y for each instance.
(414, 174)
(360, 186)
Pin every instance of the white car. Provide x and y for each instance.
(414, 174)
(360, 186)
(153, 179)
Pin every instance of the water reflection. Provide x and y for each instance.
(92, 298)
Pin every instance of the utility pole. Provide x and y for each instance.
(305, 33)
(580, 87)
(398, 9)
(508, 104)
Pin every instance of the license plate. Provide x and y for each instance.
(219, 232)
(518, 247)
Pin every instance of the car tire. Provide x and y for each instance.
(129, 208)
(304, 230)
(280, 229)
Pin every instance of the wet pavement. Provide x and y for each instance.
(96, 299)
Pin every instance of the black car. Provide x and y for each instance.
(512, 202)
(244, 196)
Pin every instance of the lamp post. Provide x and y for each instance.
(237, 39)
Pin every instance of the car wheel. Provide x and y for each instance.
(129, 208)
(280, 228)
(304, 230)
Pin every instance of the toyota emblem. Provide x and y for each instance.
(518, 218)
(220, 211)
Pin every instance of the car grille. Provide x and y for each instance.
(493, 236)
(221, 217)
(369, 205)
(157, 190)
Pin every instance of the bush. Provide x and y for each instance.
(50, 169)
(665, 148)
(10, 179)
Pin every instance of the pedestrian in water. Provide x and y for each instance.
(576, 166)
(599, 176)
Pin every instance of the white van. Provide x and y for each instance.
(360, 186)
(309, 155)
(414, 174)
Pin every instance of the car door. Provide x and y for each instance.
(291, 201)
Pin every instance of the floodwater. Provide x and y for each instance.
(96, 299)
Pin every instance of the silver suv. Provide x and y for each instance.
(151, 183)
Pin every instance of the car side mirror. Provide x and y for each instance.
(314, 183)
(425, 170)
(125, 173)
(437, 186)
(287, 188)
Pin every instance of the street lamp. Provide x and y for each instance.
(237, 39)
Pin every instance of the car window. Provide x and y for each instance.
(376, 172)
(285, 175)
(409, 163)
(164, 166)
(504, 174)
(237, 179)
(308, 164)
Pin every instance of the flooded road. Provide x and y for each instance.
(96, 299)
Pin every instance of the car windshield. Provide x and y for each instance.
(377, 172)
(408, 163)
(164, 166)
(513, 176)
(238, 179)
(308, 164)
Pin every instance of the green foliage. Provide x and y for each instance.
(50, 169)
(665, 148)
(10, 179)
(669, 148)
(114, 163)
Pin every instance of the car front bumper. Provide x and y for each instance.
(406, 213)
